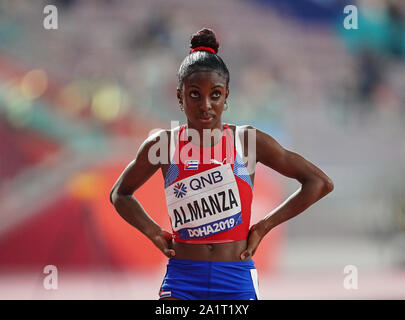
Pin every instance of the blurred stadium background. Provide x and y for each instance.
(76, 102)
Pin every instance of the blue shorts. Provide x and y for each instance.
(210, 280)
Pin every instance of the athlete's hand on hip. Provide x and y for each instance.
(256, 235)
(163, 241)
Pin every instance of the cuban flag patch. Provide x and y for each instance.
(191, 165)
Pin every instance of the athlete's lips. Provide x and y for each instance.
(206, 117)
(206, 120)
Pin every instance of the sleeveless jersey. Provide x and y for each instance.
(208, 190)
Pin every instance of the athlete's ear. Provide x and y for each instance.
(227, 93)
(179, 96)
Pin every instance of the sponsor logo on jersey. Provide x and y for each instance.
(180, 190)
(217, 162)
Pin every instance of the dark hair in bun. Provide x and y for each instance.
(205, 58)
(204, 38)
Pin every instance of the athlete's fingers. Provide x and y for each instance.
(169, 253)
(246, 254)
(250, 250)
(253, 242)
(163, 241)
(166, 235)
(167, 245)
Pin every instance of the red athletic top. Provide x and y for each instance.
(208, 191)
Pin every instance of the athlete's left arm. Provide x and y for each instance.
(315, 184)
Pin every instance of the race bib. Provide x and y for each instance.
(205, 203)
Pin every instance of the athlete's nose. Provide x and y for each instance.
(206, 104)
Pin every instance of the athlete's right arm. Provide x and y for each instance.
(129, 208)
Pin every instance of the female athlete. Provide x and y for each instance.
(208, 169)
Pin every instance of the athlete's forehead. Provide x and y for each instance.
(210, 78)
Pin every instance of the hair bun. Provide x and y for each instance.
(204, 38)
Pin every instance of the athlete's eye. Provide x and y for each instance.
(216, 94)
(194, 94)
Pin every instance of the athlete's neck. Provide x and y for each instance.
(204, 137)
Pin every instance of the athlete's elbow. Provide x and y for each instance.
(330, 185)
(327, 186)
(119, 199)
(113, 195)
(320, 186)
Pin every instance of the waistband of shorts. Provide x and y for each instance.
(183, 262)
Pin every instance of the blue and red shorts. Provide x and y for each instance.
(210, 280)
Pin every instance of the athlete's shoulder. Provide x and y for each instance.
(154, 138)
(241, 128)
(161, 139)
